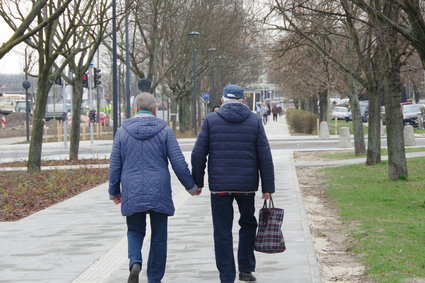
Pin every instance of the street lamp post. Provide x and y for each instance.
(26, 85)
(193, 35)
(114, 66)
(222, 58)
(127, 63)
(212, 95)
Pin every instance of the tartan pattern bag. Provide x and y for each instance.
(269, 237)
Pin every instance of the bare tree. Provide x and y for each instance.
(24, 30)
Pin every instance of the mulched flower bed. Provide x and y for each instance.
(23, 193)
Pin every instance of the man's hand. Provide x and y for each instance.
(117, 200)
(195, 191)
(266, 196)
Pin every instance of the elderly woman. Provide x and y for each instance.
(139, 179)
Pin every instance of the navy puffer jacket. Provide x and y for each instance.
(238, 151)
(139, 162)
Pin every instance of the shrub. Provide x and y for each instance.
(301, 121)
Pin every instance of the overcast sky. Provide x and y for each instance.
(13, 62)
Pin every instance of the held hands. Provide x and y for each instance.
(266, 196)
(117, 200)
(195, 191)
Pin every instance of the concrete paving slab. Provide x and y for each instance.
(83, 239)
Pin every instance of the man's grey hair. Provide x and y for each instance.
(226, 99)
(145, 101)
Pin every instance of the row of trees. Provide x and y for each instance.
(352, 46)
(65, 35)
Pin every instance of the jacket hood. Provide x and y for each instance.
(143, 128)
(235, 112)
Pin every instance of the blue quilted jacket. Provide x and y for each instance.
(238, 151)
(139, 163)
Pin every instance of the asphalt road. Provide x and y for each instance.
(10, 151)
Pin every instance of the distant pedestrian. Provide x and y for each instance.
(275, 111)
(139, 179)
(264, 113)
(258, 109)
(280, 110)
(235, 144)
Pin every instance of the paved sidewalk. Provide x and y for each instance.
(83, 239)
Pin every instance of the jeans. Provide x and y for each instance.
(136, 225)
(222, 213)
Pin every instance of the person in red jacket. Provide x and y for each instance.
(238, 153)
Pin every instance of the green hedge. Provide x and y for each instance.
(301, 121)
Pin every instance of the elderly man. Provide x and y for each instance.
(238, 154)
(139, 179)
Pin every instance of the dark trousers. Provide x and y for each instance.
(136, 232)
(222, 213)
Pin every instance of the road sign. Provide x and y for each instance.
(205, 95)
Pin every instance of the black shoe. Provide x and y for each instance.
(247, 276)
(134, 273)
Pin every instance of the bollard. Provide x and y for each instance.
(344, 137)
(324, 130)
(3, 122)
(84, 131)
(59, 129)
(409, 136)
(97, 129)
(45, 133)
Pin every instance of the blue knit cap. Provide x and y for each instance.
(233, 92)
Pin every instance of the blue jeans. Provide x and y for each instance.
(222, 213)
(136, 225)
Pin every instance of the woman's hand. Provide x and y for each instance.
(117, 200)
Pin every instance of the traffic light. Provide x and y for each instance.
(96, 77)
(58, 80)
(92, 115)
(85, 81)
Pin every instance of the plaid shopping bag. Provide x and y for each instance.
(269, 237)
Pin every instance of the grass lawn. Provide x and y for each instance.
(342, 123)
(419, 131)
(341, 155)
(388, 217)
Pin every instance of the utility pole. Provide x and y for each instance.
(127, 64)
(90, 81)
(65, 121)
(114, 66)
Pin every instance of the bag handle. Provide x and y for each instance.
(271, 203)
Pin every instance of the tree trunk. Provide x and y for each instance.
(36, 143)
(359, 144)
(397, 167)
(374, 131)
(77, 99)
(185, 112)
(173, 108)
(323, 104)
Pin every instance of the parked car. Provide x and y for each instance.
(21, 106)
(411, 113)
(57, 111)
(339, 113)
(364, 111)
